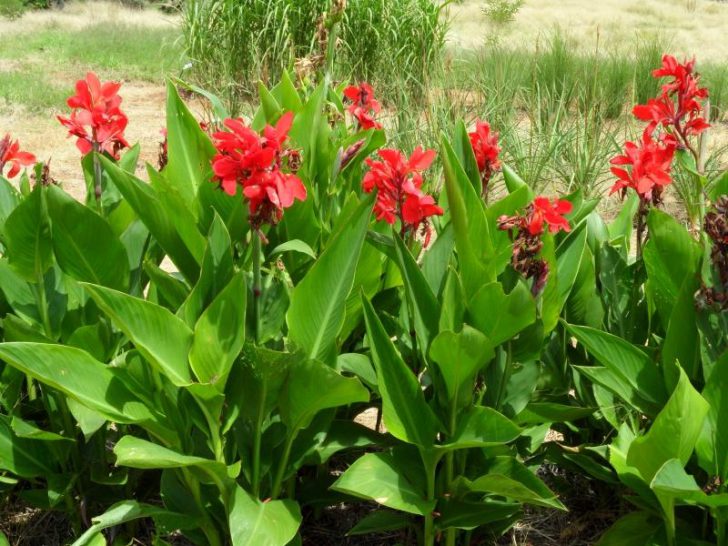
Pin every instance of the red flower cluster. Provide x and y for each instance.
(96, 118)
(678, 108)
(527, 243)
(398, 181)
(649, 164)
(676, 116)
(255, 162)
(10, 154)
(486, 150)
(363, 105)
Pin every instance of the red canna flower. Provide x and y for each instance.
(678, 110)
(551, 212)
(486, 150)
(527, 242)
(11, 154)
(398, 181)
(649, 164)
(363, 105)
(96, 118)
(255, 162)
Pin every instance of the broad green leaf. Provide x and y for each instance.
(406, 413)
(137, 453)
(453, 305)
(514, 181)
(219, 334)
(313, 387)
(161, 337)
(23, 457)
(515, 311)
(712, 447)
(674, 433)
(379, 521)
(189, 148)
(27, 237)
(671, 255)
(9, 199)
(437, 259)
(634, 529)
(256, 523)
(120, 513)
(360, 365)
(318, 302)
(459, 357)
(481, 427)
(180, 213)
(84, 244)
(145, 202)
(472, 238)
(295, 245)
(465, 154)
(540, 412)
(172, 289)
(682, 341)
(625, 361)
(75, 373)
(508, 478)
(376, 477)
(621, 227)
(468, 515)
(18, 293)
(423, 301)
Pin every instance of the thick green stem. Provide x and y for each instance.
(257, 437)
(257, 287)
(720, 530)
(281, 474)
(505, 377)
(207, 525)
(97, 178)
(429, 518)
(451, 534)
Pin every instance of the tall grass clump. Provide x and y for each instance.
(232, 44)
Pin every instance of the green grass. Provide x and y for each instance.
(49, 60)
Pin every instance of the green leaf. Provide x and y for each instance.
(635, 370)
(542, 412)
(380, 521)
(671, 255)
(318, 302)
(423, 301)
(634, 529)
(219, 334)
(137, 453)
(712, 447)
(23, 457)
(472, 238)
(481, 427)
(145, 202)
(161, 337)
(313, 387)
(508, 478)
(514, 182)
(376, 477)
(405, 411)
(27, 237)
(120, 513)
(295, 245)
(515, 311)
(255, 523)
(459, 358)
(76, 374)
(189, 148)
(621, 227)
(459, 514)
(360, 365)
(674, 433)
(84, 244)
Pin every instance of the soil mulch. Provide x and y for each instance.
(593, 508)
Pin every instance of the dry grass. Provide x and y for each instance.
(611, 23)
(78, 15)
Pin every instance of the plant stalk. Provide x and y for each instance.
(97, 177)
(280, 474)
(257, 287)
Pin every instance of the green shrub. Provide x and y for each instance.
(502, 11)
(11, 8)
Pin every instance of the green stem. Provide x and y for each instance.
(505, 377)
(257, 288)
(43, 304)
(257, 437)
(451, 534)
(720, 530)
(97, 178)
(207, 525)
(429, 518)
(281, 473)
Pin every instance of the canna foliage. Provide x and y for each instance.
(196, 356)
